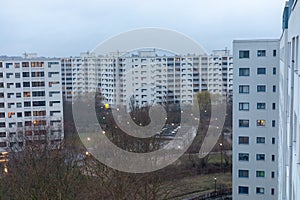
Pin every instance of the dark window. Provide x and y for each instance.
(243, 123)
(261, 106)
(272, 174)
(260, 156)
(261, 70)
(273, 106)
(274, 52)
(244, 54)
(18, 85)
(273, 140)
(274, 88)
(273, 123)
(25, 74)
(261, 88)
(274, 70)
(243, 173)
(273, 157)
(38, 103)
(260, 190)
(243, 140)
(260, 174)
(244, 72)
(272, 191)
(26, 84)
(261, 53)
(260, 140)
(27, 104)
(243, 190)
(243, 157)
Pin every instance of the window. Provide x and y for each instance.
(243, 106)
(260, 174)
(272, 191)
(38, 84)
(3, 144)
(261, 53)
(243, 123)
(244, 54)
(2, 124)
(272, 174)
(27, 113)
(17, 75)
(18, 85)
(273, 106)
(18, 95)
(1, 85)
(274, 88)
(25, 74)
(260, 190)
(19, 114)
(243, 173)
(244, 89)
(2, 134)
(261, 106)
(243, 156)
(243, 190)
(243, 140)
(273, 158)
(26, 84)
(261, 70)
(244, 71)
(37, 74)
(25, 64)
(274, 53)
(1, 105)
(19, 105)
(9, 95)
(261, 88)
(273, 123)
(273, 140)
(260, 140)
(261, 122)
(10, 114)
(1, 95)
(38, 103)
(27, 104)
(26, 94)
(260, 156)
(2, 115)
(274, 70)
(39, 113)
(38, 93)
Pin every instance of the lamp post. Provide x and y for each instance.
(215, 179)
(221, 148)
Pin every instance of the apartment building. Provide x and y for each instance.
(289, 103)
(147, 77)
(255, 119)
(31, 105)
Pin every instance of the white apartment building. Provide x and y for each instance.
(255, 119)
(146, 77)
(289, 103)
(31, 106)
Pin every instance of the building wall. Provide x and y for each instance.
(30, 101)
(254, 178)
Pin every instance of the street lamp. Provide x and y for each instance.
(215, 179)
(221, 147)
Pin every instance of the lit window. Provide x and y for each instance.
(261, 122)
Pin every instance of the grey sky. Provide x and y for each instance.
(68, 27)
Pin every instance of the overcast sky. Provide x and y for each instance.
(68, 27)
